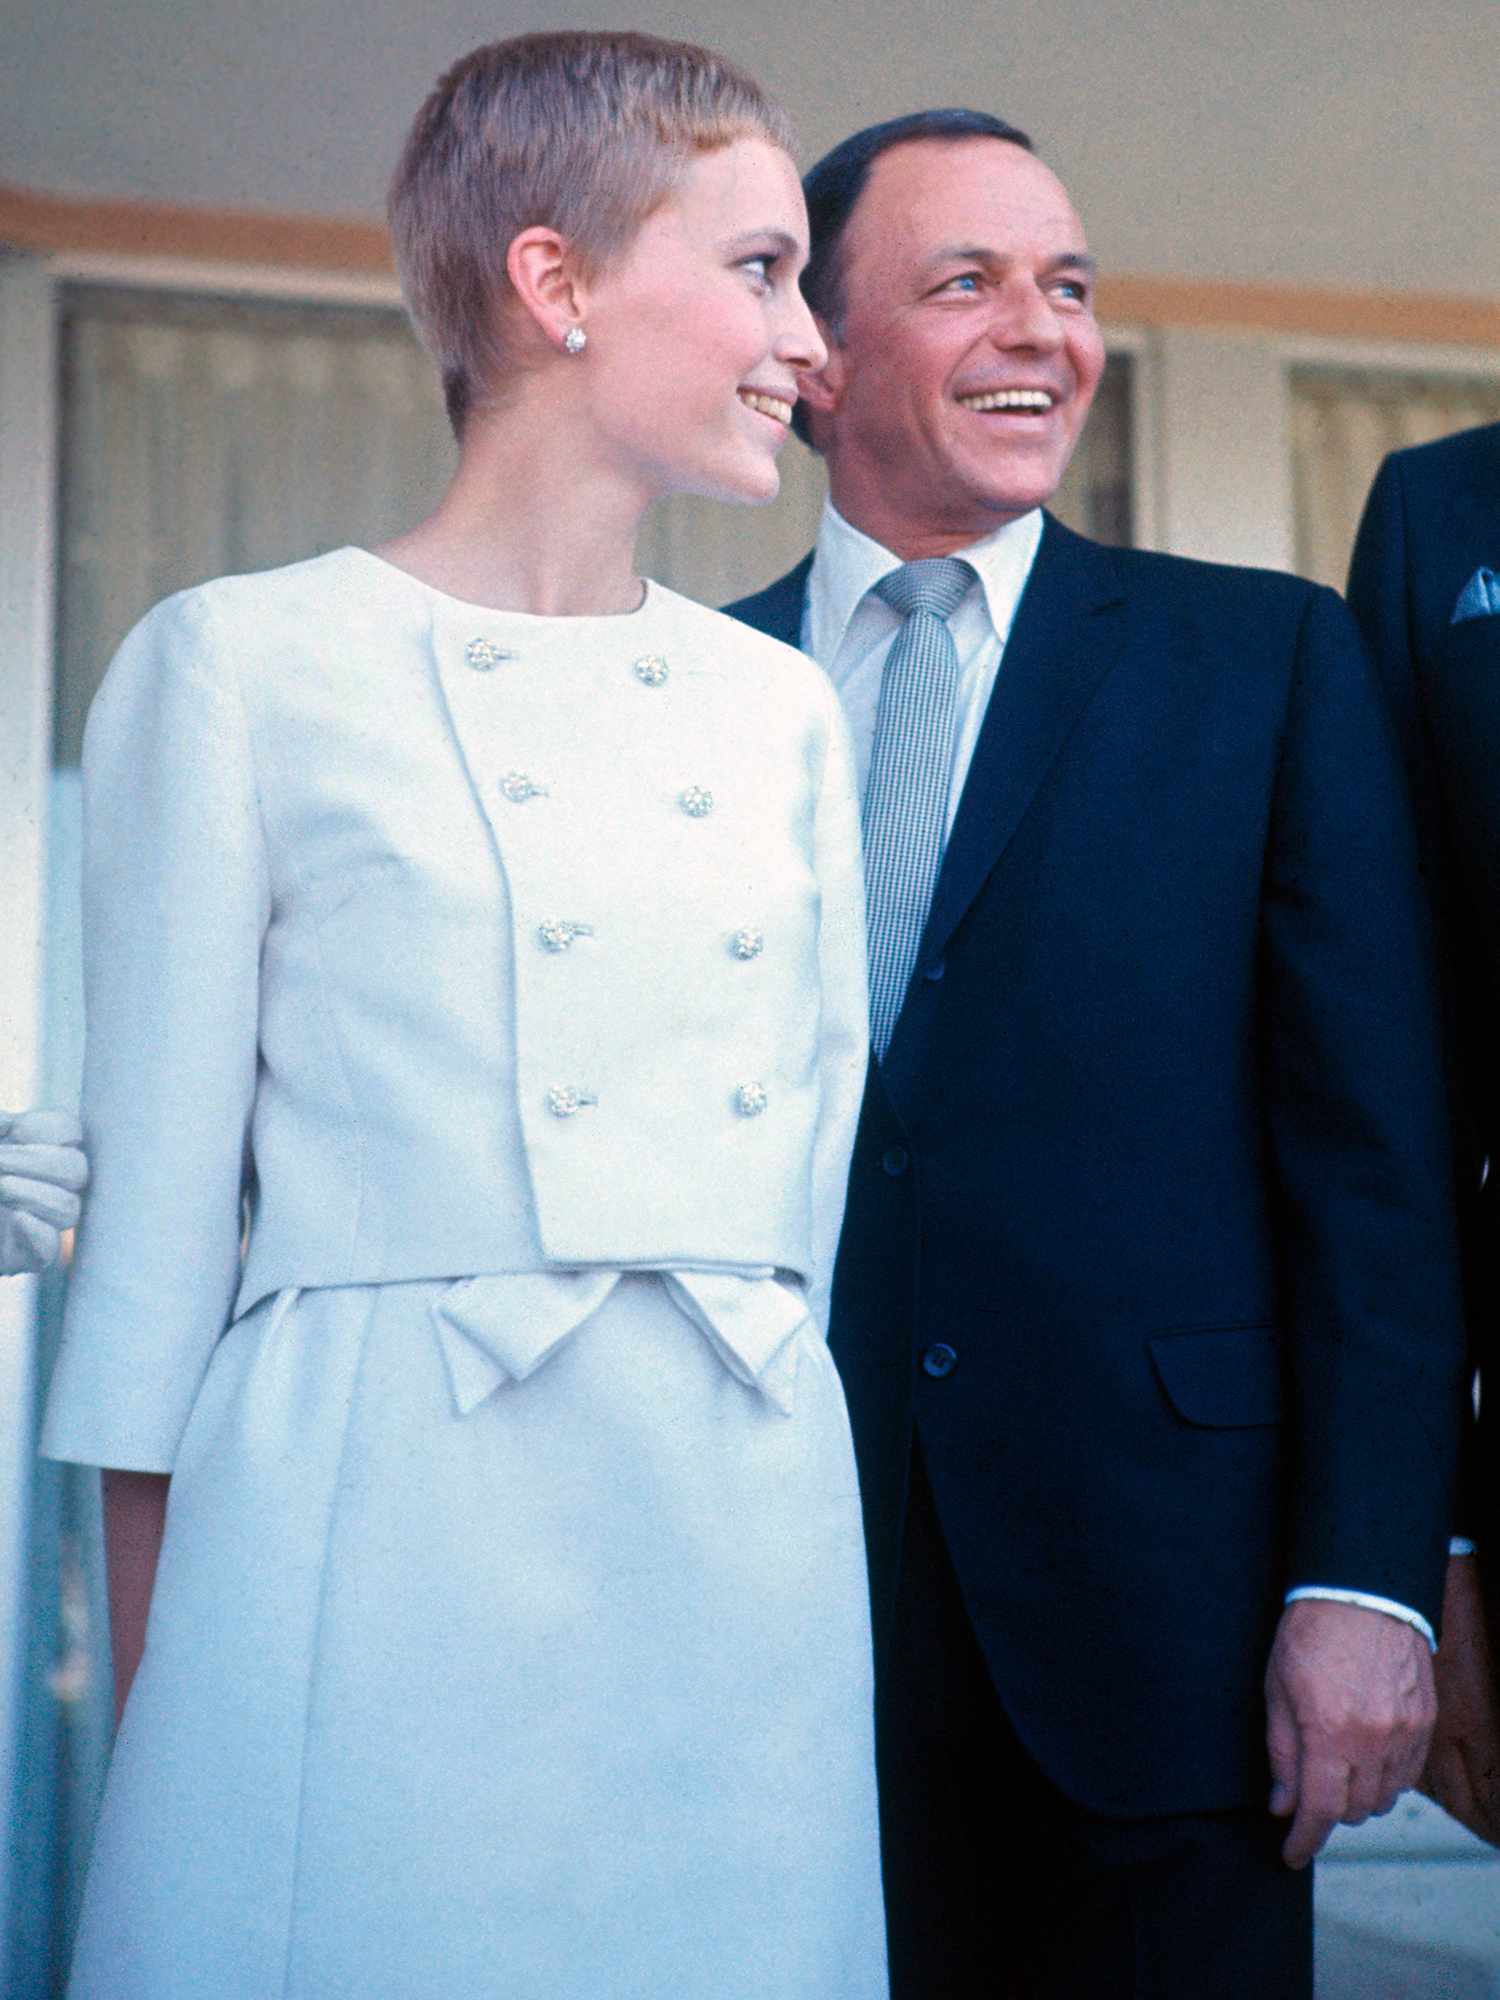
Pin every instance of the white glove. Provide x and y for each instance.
(43, 1171)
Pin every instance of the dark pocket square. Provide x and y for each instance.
(1479, 598)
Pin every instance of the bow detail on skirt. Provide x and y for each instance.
(501, 1328)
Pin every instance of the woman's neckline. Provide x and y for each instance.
(650, 598)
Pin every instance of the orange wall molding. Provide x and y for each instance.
(1298, 309)
(32, 220)
(67, 224)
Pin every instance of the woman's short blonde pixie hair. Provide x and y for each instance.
(585, 133)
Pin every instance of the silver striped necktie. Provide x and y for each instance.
(906, 798)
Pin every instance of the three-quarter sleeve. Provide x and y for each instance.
(844, 1013)
(176, 901)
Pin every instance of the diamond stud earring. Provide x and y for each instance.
(575, 340)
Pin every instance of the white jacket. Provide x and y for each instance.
(458, 942)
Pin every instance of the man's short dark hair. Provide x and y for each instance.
(835, 184)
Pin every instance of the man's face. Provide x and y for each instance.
(968, 353)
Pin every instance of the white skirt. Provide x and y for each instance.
(564, 1698)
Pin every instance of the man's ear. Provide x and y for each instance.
(541, 271)
(822, 388)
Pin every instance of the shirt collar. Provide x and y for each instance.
(849, 563)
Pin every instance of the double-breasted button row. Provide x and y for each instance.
(697, 801)
(566, 1100)
(484, 655)
(519, 787)
(557, 934)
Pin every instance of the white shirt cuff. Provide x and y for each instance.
(1368, 1603)
(1460, 1545)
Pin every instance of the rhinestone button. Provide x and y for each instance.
(750, 1100)
(651, 669)
(748, 943)
(566, 1100)
(557, 934)
(483, 655)
(519, 786)
(697, 802)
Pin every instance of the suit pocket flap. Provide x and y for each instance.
(1221, 1376)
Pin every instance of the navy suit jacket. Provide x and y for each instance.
(1432, 519)
(1158, 1151)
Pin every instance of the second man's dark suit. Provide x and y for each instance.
(1432, 520)
(1148, 1240)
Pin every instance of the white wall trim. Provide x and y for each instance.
(187, 274)
(1395, 357)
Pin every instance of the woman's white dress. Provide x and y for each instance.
(510, 1635)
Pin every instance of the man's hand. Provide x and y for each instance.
(1350, 1706)
(42, 1174)
(1463, 1764)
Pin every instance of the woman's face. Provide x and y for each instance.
(698, 330)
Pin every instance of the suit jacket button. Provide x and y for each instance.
(934, 972)
(895, 1160)
(939, 1360)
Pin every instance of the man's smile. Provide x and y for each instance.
(1030, 402)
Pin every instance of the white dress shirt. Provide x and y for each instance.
(848, 630)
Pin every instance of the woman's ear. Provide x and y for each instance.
(540, 268)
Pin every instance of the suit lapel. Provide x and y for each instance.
(1065, 640)
(777, 610)
(1452, 521)
(1463, 712)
